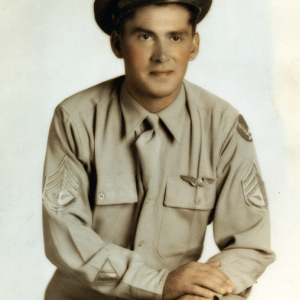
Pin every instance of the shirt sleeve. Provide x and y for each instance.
(70, 242)
(241, 218)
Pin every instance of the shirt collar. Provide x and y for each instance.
(134, 113)
(173, 115)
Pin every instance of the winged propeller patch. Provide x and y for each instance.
(200, 182)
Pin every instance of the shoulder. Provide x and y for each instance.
(208, 103)
(89, 98)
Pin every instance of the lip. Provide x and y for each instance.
(161, 73)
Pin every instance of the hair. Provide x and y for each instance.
(120, 26)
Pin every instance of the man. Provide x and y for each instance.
(136, 167)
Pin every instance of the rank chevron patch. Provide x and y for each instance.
(60, 188)
(254, 188)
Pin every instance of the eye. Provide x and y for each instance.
(145, 37)
(175, 38)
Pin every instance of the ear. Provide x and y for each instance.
(195, 46)
(115, 43)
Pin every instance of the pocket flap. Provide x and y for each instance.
(116, 189)
(182, 194)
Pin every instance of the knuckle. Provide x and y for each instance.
(225, 285)
(186, 287)
(192, 289)
(208, 294)
(223, 288)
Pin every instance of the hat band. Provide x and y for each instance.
(125, 6)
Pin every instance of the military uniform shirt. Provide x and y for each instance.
(108, 237)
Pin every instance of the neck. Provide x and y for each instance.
(154, 104)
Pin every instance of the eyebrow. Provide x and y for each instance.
(139, 29)
(183, 32)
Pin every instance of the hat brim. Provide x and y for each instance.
(105, 9)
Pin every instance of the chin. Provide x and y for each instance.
(161, 89)
(161, 92)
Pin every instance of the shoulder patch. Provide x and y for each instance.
(243, 129)
(107, 273)
(60, 188)
(254, 188)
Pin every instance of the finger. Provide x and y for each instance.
(201, 292)
(208, 276)
(220, 274)
(218, 264)
(232, 284)
(212, 282)
(214, 263)
(210, 267)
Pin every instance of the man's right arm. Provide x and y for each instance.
(70, 242)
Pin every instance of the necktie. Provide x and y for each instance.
(148, 148)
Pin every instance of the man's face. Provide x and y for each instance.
(157, 44)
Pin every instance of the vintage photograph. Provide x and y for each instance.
(150, 150)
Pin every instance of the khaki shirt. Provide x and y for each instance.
(108, 238)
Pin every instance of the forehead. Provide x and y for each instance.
(166, 17)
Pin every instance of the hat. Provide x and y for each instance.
(107, 11)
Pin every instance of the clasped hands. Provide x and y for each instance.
(197, 281)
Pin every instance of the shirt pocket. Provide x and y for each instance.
(116, 189)
(185, 215)
(182, 194)
(116, 198)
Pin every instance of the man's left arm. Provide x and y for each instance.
(241, 217)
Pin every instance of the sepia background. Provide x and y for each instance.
(249, 55)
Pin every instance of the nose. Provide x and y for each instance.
(161, 52)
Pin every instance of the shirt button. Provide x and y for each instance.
(199, 201)
(141, 243)
(101, 196)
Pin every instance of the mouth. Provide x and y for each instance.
(161, 73)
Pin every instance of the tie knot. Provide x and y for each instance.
(153, 121)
